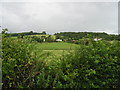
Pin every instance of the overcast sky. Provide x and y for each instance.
(55, 17)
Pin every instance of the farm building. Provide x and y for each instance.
(97, 39)
(43, 40)
(58, 40)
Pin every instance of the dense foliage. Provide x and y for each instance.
(92, 65)
(19, 63)
(27, 33)
(79, 35)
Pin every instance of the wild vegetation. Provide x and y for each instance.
(79, 35)
(30, 63)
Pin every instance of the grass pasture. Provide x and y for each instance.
(40, 35)
(53, 36)
(54, 51)
(56, 46)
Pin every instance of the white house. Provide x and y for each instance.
(97, 39)
(43, 40)
(58, 40)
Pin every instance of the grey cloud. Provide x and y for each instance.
(64, 16)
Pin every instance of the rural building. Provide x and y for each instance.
(43, 40)
(58, 40)
(97, 39)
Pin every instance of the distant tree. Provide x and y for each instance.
(21, 35)
(36, 39)
(31, 32)
(43, 37)
(4, 31)
(57, 37)
(50, 39)
(44, 32)
(49, 36)
(89, 36)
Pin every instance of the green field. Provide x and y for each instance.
(53, 36)
(53, 51)
(56, 46)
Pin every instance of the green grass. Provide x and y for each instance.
(53, 36)
(52, 52)
(14, 37)
(40, 35)
(56, 46)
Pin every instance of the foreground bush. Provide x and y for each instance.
(93, 65)
(18, 63)
(96, 65)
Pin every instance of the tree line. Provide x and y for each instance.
(4, 31)
(80, 35)
(67, 36)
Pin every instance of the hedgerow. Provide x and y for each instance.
(92, 65)
(19, 63)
